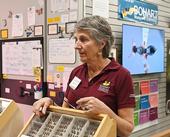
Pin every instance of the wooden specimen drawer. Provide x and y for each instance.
(65, 122)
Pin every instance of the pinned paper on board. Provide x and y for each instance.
(62, 51)
(64, 18)
(17, 25)
(59, 68)
(50, 78)
(4, 33)
(37, 56)
(58, 80)
(37, 74)
(5, 76)
(31, 16)
(51, 86)
(52, 94)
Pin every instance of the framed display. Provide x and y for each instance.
(113, 53)
(38, 30)
(52, 29)
(4, 33)
(69, 27)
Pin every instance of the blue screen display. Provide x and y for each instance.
(143, 49)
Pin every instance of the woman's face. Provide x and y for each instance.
(87, 46)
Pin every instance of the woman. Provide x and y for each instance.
(99, 85)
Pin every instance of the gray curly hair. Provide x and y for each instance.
(99, 29)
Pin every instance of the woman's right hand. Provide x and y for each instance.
(40, 106)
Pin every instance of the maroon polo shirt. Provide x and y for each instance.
(113, 86)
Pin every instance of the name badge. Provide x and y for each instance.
(74, 83)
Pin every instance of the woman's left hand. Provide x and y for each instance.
(92, 105)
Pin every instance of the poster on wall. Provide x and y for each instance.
(138, 11)
(146, 98)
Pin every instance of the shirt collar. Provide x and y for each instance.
(113, 65)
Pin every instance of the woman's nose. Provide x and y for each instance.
(78, 45)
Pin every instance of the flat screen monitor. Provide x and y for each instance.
(143, 49)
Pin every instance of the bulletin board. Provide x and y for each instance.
(22, 69)
(21, 28)
(19, 17)
(62, 58)
(62, 15)
(21, 56)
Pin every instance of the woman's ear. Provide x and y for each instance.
(103, 43)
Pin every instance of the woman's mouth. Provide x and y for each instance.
(81, 54)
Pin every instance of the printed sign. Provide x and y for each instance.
(139, 11)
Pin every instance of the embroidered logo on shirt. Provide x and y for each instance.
(105, 87)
